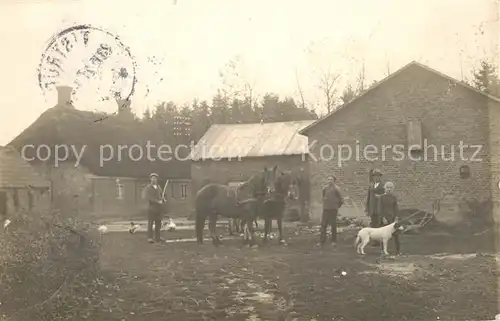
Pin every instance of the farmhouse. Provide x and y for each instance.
(21, 188)
(411, 125)
(232, 153)
(89, 183)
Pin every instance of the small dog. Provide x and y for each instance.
(383, 234)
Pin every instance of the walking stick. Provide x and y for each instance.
(164, 199)
(164, 190)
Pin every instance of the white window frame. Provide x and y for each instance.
(184, 190)
(120, 189)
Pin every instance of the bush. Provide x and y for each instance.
(48, 269)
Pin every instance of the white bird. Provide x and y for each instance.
(103, 229)
(133, 228)
(171, 225)
(6, 223)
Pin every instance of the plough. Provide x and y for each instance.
(416, 223)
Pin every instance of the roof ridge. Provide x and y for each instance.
(384, 80)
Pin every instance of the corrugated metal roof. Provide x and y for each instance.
(15, 172)
(252, 140)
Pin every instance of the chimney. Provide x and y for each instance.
(64, 96)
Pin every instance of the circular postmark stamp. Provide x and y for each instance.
(93, 61)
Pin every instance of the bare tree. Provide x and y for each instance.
(327, 85)
(361, 79)
(348, 94)
(388, 67)
(235, 82)
(299, 89)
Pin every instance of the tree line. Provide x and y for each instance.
(240, 105)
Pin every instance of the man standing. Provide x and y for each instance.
(155, 199)
(375, 190)
(332, 201)
(304, 190)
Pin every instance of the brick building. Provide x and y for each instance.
(407, 114)
(232, 153)
(113, 189)
(22, 189)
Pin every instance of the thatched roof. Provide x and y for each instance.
(15, 172)
(75, 128)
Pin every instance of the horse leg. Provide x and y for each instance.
(212, 224)
(230, 226)
(280, 230)
(267, 228)
(242, 225)
(252, 232)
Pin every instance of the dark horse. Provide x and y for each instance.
(273, 208)
(216, 199)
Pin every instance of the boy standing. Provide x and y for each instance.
(388, 209)
(332, 201)
(155, 199)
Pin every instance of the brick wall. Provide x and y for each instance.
(76, 190)
(494, 144)
(449, 114)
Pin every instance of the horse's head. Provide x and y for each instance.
(282, 183)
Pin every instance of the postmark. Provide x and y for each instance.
(91, 60)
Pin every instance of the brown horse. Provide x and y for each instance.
(216, 199)
(273, 208)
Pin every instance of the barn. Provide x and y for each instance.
(94, 178)
(232, 153)
(435, 137)
(22, 189)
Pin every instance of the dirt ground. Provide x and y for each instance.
(442, 277)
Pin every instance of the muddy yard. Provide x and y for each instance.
(442, 277)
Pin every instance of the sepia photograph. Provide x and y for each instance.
(249, 160)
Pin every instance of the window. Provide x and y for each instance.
(143, 191)
(16, 199)
(3, 204)
(184, 191)
(414, 129)
(30, 199)
(119, 189)
(464, 171)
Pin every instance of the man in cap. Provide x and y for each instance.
(375, 190)
(332, 201)
(155, 199)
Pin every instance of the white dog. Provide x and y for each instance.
(383, 234)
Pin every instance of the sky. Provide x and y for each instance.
(181, 47)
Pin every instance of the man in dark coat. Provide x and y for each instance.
(375, 189)
(155, 199)
(332, 201)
